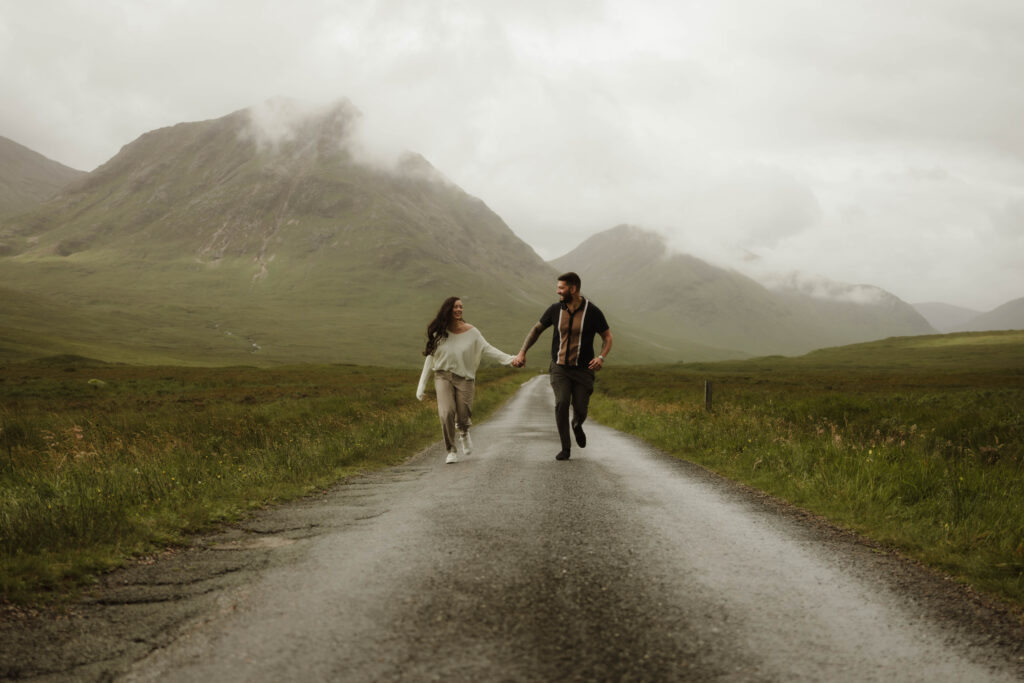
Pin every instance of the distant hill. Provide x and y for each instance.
(28, 178)
(945, 317)
(703, 306)
(262, 237)
(1009, 316)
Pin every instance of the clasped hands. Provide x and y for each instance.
(519, 361)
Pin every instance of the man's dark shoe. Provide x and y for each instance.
(562, 455)
(581, 438)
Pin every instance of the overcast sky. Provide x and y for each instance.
(868, 141)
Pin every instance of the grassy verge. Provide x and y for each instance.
(100, 462)
(924, 455)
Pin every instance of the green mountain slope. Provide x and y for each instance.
(205, 242)
(28, 178)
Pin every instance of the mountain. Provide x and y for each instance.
(854, 312)
(1009, 316)
(28, 178)
(945, 317)
(633, 271)
(270, 236)
(260, 237)
(265, 236)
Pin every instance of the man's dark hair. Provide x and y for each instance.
(571, 279)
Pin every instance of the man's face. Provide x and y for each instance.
(564, 292)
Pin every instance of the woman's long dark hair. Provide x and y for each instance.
(438, 327)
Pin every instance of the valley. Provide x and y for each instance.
(217, 243)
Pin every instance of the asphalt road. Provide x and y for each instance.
(619, 564)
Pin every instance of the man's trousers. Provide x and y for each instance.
(572, 385)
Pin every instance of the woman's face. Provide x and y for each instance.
(457, 311)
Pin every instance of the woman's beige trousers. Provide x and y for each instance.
(454, 404)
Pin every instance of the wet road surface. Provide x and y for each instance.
(619, 564)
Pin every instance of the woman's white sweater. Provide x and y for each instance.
(460, 354)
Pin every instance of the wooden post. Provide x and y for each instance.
(707, 394)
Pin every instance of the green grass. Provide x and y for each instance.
(915, 442)
(99, 462)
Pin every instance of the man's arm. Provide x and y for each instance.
(598, 362)
(531, 339)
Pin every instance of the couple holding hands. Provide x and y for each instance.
(455, 348)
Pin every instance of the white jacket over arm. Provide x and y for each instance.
(460, 354)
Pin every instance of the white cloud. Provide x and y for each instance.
(280, 120)
(820, 287)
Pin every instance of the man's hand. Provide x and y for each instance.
(519, 361)
(598, 361)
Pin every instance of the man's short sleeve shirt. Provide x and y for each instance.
(572, 341)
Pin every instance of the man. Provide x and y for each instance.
(573, 362)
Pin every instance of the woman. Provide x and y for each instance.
(454, 349)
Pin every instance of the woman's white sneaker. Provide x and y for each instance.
(452, 457)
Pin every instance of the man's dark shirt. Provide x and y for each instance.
(572, 341)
